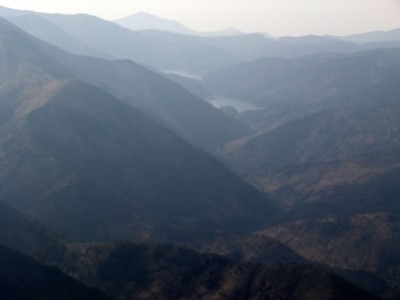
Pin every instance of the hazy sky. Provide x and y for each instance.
(278, 17)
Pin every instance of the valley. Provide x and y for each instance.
(240, 106)
(141, 159)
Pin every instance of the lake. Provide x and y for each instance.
(239, 105)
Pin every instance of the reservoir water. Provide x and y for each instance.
(217, 101)
(239, 105)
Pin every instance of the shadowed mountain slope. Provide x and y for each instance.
(135, 271)
(337, 172)
(192, 118)
(148, 271)
(21, 277)
(177, 109)
(68, 147)
(27, 236)
(45, 30)
(328, 147)
(328, 142)
(317, 79)
(254, 248)
(85, 149)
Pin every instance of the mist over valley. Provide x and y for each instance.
(144, 159)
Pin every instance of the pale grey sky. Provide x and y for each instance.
(278, 17)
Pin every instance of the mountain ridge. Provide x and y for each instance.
(21, 277)
(158, 97)
(141, 270)
(142, 21)
(149, 270)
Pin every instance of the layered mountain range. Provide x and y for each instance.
(67, 147)
(270, 202)
(317, 79)
(327, 147)
(21, 277)
(144, 21)
(88, 35)
(146, 271)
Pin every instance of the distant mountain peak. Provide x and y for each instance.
(144, 13)
(374, 36)
(143, 20)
